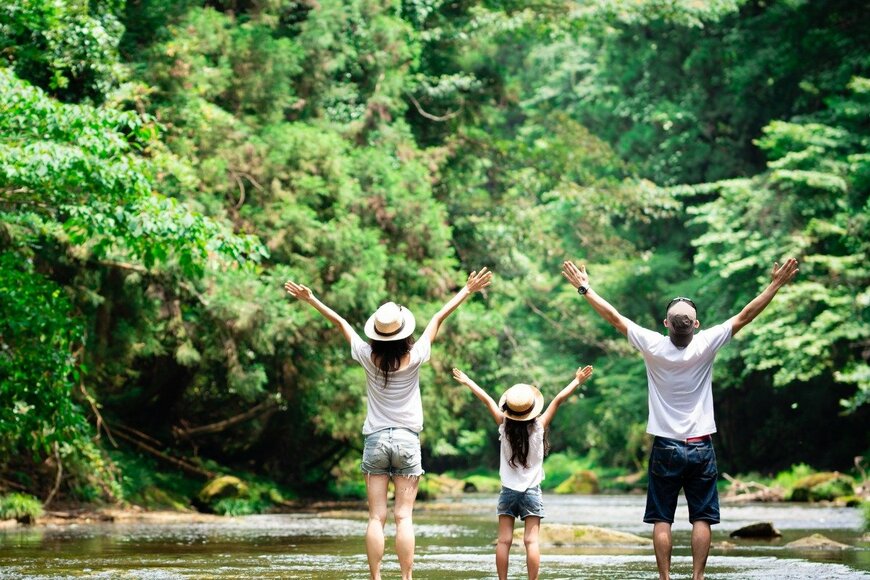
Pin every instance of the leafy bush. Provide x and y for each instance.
(21, 507)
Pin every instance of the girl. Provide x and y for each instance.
(394, 418)
(523, 446)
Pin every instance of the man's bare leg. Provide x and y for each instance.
(701, 539)
(663, 548)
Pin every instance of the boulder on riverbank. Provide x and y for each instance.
(583, 481)
(816, 542)
(436, 485)
(221, 488)
(578, 535)
(757, 530)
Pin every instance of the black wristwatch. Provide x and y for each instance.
(582, 289)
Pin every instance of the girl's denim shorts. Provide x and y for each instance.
(393, 451)
(521, 504)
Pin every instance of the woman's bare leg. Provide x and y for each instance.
(376, 491)
(406, 493)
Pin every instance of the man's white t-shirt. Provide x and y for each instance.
(398, 404)
(680, 380)
(521, 478)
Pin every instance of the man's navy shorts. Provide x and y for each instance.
(675, 464)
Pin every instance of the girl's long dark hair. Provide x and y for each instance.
(517, 433)
(388, 354)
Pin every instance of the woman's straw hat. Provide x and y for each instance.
(390, 322)
(521, 402)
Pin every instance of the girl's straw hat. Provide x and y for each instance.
(390, 322)
(521, 402)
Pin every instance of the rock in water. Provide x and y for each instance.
(577, 535)
(816, 542)
(758, 530)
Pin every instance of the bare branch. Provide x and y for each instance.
(430, 116)
(187, 432)
(57, 477)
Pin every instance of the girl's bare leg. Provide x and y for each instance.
(533, 551)
(503, 547)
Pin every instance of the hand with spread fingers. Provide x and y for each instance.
(477, 281)
(576, 276)
(782, 275)
(298, 291)
(583, 373)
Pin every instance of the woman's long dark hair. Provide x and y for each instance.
(388, 354)
(517, 433)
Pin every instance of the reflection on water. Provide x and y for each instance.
(454, 540)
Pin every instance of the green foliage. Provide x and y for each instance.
(812, 202)
(20, 506)
(144, 483)
(154, 198)
(68, 48)
(37, 364)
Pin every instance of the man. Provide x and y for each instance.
(679, 374)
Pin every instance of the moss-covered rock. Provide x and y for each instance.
(222, 487)
(153, 497)
(481, 484)
(584, 481)
(824, 486)
(433, 485)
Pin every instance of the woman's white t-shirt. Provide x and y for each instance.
(399, 403)
(521, 478)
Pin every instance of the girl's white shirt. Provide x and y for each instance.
(399, 403)
(521, 478)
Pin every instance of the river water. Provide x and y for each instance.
(454, 540)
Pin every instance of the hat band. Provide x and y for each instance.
(519, 411)
(393, 333)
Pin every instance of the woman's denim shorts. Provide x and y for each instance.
(521, 504)
(392, 451)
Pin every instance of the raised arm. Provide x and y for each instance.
(476, 281)
(580, 279)
(780, 276)
(580, 377)
(305, 294)
(490, 403)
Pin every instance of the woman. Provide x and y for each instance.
(394, 417)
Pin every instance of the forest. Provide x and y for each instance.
(165, 165)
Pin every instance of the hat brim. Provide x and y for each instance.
(533, 413)
(409, 324)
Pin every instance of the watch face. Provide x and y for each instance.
(582, 289)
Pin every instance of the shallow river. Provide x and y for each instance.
(454, 540)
